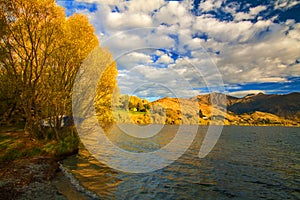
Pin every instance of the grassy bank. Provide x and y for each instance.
(28, 167)
(16, 144)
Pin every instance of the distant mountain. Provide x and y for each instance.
(287, 106)
(206, 99)
(253, 109)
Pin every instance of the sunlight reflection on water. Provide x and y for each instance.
(246, 163)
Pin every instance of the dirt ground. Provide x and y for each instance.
(25, 173)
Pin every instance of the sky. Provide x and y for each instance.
(190, 47)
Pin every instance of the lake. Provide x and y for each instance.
(246, 163)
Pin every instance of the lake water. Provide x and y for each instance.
(246, 163)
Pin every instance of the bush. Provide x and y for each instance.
(63, 147)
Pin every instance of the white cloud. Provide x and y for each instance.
(245, 92)
(199, 72)
(253, 12)
(229, 31)
(272, 79)
(142, 6)
(172, 13)
(124, 21)
(285, 4)
(149, 78)
(159, 53)
(263, 51)
(195, 43)
(160, 40)
(256, 10)
(262, 60)
(165, 59)
(133, 59)
(123, 41)
(208, 5)
(242, 16)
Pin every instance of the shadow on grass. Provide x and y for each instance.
(15, 144)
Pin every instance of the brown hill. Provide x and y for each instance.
(287, 106)
(253, 109)
(206, 99)
(259, 109)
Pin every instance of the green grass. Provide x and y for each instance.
(5, 141)
(16, 151)
(15, 144)
(62, 147)
(137, 112)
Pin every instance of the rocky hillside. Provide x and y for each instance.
(259, 109)
(286, 106)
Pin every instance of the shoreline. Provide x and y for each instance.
(242, 125)
(29, 179)
(75, 185)
(37, 178)
(27, 171)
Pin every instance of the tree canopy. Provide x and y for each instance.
(41, 52)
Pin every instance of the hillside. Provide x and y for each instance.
(286, 106)
(260, 109)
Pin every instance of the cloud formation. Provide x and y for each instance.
(246, 43)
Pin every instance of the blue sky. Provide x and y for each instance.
(184, 48)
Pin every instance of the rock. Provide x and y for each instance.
(29, 179)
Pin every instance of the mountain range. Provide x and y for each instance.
(252, 109)
(286, 106)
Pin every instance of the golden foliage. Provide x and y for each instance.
(104, 92)
(41, 52)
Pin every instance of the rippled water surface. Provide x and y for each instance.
(246, 163)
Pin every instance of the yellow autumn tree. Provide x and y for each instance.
(105, 90)
(41, 52)
(30, 36)
(76, 44)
